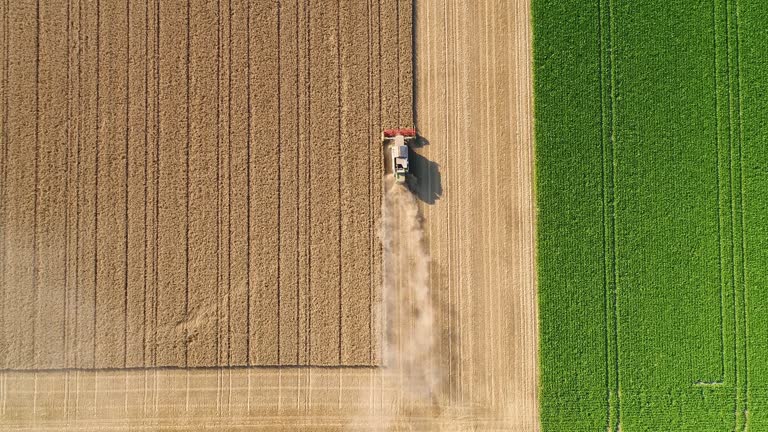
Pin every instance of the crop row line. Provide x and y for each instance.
(735, 137)
(608, 140)
(733, 232)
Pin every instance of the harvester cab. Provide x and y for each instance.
(397, 140)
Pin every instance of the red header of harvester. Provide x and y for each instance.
(406, 132)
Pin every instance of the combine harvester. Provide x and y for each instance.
(397, 140)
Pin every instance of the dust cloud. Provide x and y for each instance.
(410, 336)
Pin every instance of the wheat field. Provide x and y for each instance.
(471, 207)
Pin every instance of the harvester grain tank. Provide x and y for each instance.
(398, 139)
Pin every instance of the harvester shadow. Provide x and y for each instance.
(419, 142)
(425, 181)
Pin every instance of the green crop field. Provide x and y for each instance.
(652, 190)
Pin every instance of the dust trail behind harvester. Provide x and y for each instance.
(412, 365)
(410, 330)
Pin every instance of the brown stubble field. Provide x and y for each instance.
(474, 195)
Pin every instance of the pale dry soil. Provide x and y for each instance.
(475, 199)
